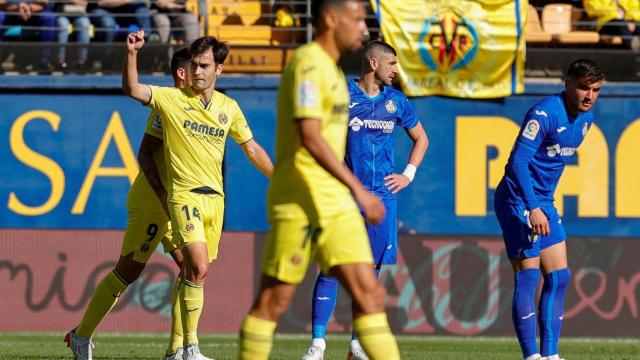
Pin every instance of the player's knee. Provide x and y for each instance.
(197, 272)
(562, 277)
(371, 299)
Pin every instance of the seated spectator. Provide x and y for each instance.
(111, 16)
(617, 18)
(72, 12)
(172, 16)
(35, 14)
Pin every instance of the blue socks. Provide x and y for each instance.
(325, 294)
(523, 310)
(552, 309)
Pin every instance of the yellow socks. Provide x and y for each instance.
(105, 297)
(256, 338)
(191, 300)
(176, 338)
(376, 338)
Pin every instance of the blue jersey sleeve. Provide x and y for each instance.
(408, 116)
(533, 131)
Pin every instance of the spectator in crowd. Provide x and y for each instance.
(172, 16)
(68, 13)
(617, 18)
(36, 14)
(109, 16)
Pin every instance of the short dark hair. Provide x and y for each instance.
(318, 6)
(373, 45)
(180, 59)
(585, 68)
(220, 49)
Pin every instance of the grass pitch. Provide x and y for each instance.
(225, 347)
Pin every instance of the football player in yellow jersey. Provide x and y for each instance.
(148, 224)
(312, 212)
(196, 121)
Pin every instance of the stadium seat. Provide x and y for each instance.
(243, 34)
(222, 11)
(557, 21)
(254, 60)
(533, 32)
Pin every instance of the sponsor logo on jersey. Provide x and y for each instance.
(157, 123)
(203, 129)
(188, 108)
(585, 129)
(307, 94)
(390, 106)
(222, 117)
(385, 125)
(531, 129)
(355, 124)
(541, 113)
(554, 150)
(353, 104)
(340, 109)
(561, 129)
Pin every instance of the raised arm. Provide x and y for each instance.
(148, 147)
(130, 84)
(310, 138)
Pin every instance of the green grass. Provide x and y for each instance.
(152, 346)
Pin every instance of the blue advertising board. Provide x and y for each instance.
(68, 160)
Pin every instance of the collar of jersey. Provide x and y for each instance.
(361, 92)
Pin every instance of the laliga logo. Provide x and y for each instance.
(447, 42)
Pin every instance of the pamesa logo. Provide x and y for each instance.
(447, 41)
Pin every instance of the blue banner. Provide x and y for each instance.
(68, 160)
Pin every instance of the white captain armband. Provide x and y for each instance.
(410, 171)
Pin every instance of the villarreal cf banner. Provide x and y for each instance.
(461, 48)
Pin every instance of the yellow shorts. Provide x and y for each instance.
(292, 243)
(197, 218)
(144, 230)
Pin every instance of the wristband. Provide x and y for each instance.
(410, 171)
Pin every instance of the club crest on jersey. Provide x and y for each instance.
(157, 123)
(390, 106)
(189, 227)
(144, 247)
(585, 129)
(531, 129)
(296, 259)
(222, 117)
(308, 94)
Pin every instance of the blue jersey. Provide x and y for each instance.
(547, 141)
(370, 139)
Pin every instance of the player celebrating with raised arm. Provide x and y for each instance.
(532, 230)
(147, 225)
(196, 121)
(310, 201)
(375, 111)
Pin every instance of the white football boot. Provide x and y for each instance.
(178, 355)
(82, 348)
(192, 352)
(313, 353)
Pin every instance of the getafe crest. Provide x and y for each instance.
(448, 41)
(390, 106)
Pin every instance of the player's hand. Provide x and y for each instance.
(373, 208)
(135, 41)
(396, 182)
(24, 10)
(539, 222)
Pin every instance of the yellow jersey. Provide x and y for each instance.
(141, 194)
(194, 136)
(312, 86)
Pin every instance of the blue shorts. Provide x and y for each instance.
(516, 231)
(384, 236)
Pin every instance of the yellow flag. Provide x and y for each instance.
(461, 48)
